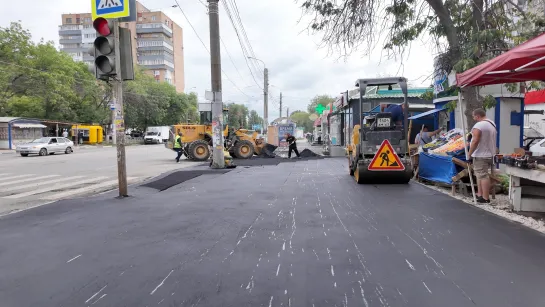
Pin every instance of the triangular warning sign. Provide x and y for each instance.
(386, 159)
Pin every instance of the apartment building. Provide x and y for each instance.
(157, 43)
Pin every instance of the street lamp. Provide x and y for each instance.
(265, 95)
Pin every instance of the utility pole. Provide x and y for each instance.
(114, 134)
(288, 112)
(280, 105)
(119, 123)
(217, 105)
(266, 99)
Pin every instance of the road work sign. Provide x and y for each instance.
(386, 159)
(110, 8)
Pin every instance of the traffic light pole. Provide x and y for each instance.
(217, 104)
(119, 123)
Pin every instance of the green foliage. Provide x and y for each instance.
(428, 95)
(489, 102)
(152, 103)
(238, 116)
(322, 100)
(254, 119)
(504, 182)
(38, 81)
(451, 105)
(302, 119)
(466, 33)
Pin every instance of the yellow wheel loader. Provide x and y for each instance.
(379, 151)
(197, 139)
(244, 144)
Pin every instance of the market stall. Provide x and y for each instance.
(522, 63)
(526, 183)
(435, 161)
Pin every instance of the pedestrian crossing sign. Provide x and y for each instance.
(110, 8)
(386, 159)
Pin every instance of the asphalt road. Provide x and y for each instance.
(31, 181)
(295, 234)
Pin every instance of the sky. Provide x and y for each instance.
(298, 67)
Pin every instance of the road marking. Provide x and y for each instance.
(27, 179)
(73, 259)
(58, 187)
(37, 184)
(13, 177)
(87, 189)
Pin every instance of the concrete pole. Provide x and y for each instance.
(114, 136)
(118, 119)
(288, 112)
(266, 99)
(217, 105)
(280, 105)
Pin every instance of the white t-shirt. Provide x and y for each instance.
(487, 144)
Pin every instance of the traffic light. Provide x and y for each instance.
(104, 51)
(104, 48)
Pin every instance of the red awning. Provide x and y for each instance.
(534, 97)
(525, 62)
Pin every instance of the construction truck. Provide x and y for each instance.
(378, 151)
(197, 139)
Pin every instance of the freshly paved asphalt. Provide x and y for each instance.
(294, 234)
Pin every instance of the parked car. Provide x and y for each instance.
(46, 145)
(538, 149)
(531, 137)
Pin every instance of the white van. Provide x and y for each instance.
(156, 135)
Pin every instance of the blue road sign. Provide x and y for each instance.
(110, 8)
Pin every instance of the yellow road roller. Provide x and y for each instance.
(378, 152)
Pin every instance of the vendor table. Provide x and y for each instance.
(526, 189)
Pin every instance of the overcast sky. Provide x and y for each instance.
(297, 68)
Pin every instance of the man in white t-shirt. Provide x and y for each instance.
(482, 151)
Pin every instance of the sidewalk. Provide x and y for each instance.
(297, 233)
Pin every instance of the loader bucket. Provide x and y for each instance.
(268, 151)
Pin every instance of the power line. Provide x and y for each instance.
(196, 33)
(242, 46)
(239, 20)
(230, 58)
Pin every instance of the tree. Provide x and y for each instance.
(254, 119)
(152, 103)
(238, 115)
(466, 32)
(322, 100)
(302, 119)
(38, 81)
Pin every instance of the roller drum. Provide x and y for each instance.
(364, 176)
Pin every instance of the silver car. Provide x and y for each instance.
(45, 146)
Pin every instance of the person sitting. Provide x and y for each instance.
(396, 110)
